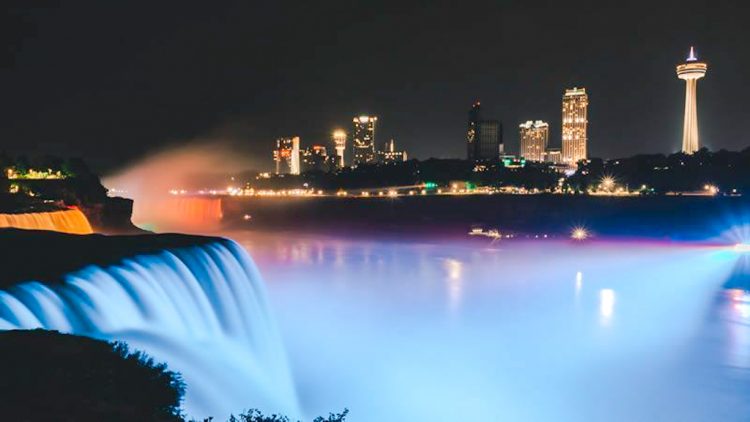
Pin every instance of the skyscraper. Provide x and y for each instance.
(286, 155)
(314, 158)
(483, 137)
(471, 132)
(363, 141)
(534, 137)
(339, 142)
(690, 72)
(574, 125)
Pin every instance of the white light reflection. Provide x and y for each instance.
(454, 276)
(606, 305)
(739, 331)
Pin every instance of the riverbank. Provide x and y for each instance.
(660, 217)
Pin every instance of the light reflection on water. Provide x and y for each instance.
(606, 305)
(737, 313)
(398, 330)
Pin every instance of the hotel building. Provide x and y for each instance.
(363, 140)
(533, 139)
(574, 125)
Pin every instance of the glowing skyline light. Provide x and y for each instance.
(608, 182)
(579, 233)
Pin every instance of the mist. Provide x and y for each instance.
(183, 169)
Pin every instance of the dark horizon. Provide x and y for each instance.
(113, 82)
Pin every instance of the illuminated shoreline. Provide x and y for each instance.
(399, 193)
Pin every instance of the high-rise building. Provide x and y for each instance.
(690, 72)
(471, 132)
(534, 137)
(574, 125)
(286, 155)
(489, 140)
(339, 142)
(315, 158)
(390, 155)
(484, 138)
(363, 140)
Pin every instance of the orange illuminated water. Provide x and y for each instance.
(67, 221)
(179, 212)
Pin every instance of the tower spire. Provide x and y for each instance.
(691, 57)
(690, 72)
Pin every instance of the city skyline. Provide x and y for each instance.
(484, 137)
(117, 98)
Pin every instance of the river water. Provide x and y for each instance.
(429, 329)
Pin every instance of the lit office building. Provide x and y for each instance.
(315, 158)
(484, 138)
(339, 142)
(363, 140)
(286, 155)
(574, 125)
(390, 155)
(534, 137)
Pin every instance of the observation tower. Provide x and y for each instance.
(690, 72)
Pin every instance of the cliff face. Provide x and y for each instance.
(112, 215)
(105, 214)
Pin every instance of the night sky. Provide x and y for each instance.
(112, 81)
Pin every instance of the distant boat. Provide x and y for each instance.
(491, 233)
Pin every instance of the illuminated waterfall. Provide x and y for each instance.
(176, 212)
(67, 221)
(201, 309)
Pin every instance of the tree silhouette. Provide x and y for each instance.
(50, 376)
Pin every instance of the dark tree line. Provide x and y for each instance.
(49, 376)
(441, 172)
(661, 173)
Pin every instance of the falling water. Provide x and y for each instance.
(183, 212)
(67, 221)
(201, 309)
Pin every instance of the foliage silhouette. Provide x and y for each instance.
(48, 376)
(255, 415)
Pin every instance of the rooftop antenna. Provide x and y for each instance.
(691, 57)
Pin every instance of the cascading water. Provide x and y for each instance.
(67, 221)
(179, 212)
(201, 309)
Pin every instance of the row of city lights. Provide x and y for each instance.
(606, 187)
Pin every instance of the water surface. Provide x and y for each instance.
(451, 330)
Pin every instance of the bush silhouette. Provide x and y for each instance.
(49, 376)
(254, 415)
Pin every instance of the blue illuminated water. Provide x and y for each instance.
(545, 331)
(200, 309)
(438, 329)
